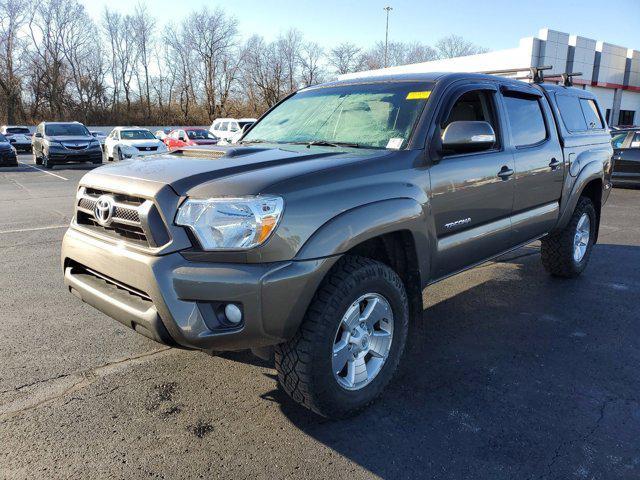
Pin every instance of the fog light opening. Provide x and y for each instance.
(233, 313)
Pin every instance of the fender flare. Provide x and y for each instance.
(362, 223)
(589, 172)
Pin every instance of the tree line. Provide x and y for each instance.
(58, 63)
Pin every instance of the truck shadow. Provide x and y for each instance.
(513, 375)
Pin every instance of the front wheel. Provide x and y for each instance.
(567, 252)
(350, 342)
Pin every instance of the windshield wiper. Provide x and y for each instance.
(325, 143)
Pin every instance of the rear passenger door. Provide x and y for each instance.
(539, 162)
(471, 193)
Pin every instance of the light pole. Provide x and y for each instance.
(386, 37)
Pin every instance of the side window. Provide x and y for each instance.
(591, 114)
(233, 127)
(571, 113)
(635, 141)
(224, 126)
(216, 126)
(618, 140)
(526, 120)
(476, 105)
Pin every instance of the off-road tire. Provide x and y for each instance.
(557, 248)
(304, 362)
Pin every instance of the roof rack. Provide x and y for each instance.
(567, 78)
(535, 73)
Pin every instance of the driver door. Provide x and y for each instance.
(471, 193)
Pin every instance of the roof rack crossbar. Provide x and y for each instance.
(567, 78)
(536, 73)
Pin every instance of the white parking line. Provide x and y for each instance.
(34, 229)
(43, 171)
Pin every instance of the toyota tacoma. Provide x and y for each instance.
(311, 241)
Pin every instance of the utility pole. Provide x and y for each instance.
(386, 37)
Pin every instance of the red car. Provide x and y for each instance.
(181, 137)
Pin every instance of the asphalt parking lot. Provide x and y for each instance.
(511, 375)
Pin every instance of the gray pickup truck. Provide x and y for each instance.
(312, 240)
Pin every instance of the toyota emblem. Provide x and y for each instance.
(103, 211)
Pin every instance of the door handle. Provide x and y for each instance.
(505, 173)
(554, 163)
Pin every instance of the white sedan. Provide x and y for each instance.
(131, 142)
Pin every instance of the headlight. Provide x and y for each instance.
(231, 223)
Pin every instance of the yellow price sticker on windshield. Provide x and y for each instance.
(418, 95)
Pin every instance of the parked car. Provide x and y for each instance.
(313, 239)
(18, 136)
(228, 128)
(130, 142)
(100, 136)
(8, 153)
(162, 134)
(626, 157)
(56, 143)
(189, 136)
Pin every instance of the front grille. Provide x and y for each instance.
(131, 220)
(73, 146)
(147, 149)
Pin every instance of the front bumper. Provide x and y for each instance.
(67, 156)
(173, 300)
(8, 159)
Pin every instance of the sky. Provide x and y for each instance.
(494, 24)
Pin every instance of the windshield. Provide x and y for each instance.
(376, 115)
(23, 130)
(200, 135)
(64, 129)
(136, 135)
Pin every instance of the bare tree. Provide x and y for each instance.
(144, 26)
(399, 53)
(345, 58)
(288, 46)
(454, 46)
(311, 70)
(119, 31)
(13, 16)
(266, 69)
(211, 35)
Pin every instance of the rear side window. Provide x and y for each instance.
(635, 142)
(571, 112)
(526, 120)
(591, 114)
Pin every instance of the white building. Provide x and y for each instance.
(611, 72)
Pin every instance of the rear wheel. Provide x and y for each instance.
(566, 253)
(350, 342)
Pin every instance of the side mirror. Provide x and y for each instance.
(38, 135)
(468, 136)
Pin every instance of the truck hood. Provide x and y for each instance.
(238, 170)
